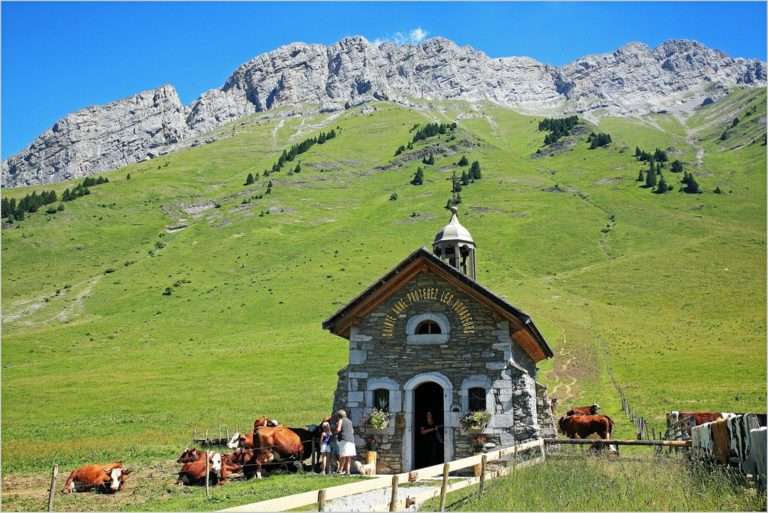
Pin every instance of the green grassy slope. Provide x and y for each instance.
(601, 484)
(669, 293)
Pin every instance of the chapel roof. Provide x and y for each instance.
(454, 231)
(523, 330)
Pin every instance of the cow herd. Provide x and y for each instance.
(269, 444)
(584, 421)
(734, 439)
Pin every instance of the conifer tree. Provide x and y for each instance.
(418, 177)
(692, 186)
(677, 166)
(640, 177)
(474, 171)
(249, 179)
(463, 161)
(650, 177)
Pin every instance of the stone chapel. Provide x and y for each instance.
(428, 337)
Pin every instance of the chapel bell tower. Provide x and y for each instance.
(454, 246)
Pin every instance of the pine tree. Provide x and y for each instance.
(474, 171)
(676, 167)
(638, 152)
(297, 169)
(249, 180)
(650, 177)
(418, 177)
(463, 161)
(464, 178)
(662, 187)
(692, 186)
(640, 177)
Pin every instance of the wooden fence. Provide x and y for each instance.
(396, 502)
(643, 430)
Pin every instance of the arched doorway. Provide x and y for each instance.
(428, 448)
(437, 385)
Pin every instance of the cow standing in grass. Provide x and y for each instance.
(583, 410)
(584, 426)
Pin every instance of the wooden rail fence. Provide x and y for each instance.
(322, 496)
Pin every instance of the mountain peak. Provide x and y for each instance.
(633, 80)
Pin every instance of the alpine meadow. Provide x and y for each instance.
(182, 295)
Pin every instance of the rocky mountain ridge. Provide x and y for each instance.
(633, 80)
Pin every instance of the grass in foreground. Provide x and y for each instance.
(153, 488)
(597, 484)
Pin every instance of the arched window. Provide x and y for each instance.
(428, 327)
(381, 399)
(477, 399)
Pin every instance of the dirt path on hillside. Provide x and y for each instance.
(22, 309)
(277, 128)
(565, 382)
(690, 138)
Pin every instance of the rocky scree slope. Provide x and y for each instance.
(632, 80)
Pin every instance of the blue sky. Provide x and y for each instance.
(60, 57)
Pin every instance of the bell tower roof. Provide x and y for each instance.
(454, 231)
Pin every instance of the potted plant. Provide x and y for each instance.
(475, 421)
(378, 419)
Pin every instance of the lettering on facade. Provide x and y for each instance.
(445, 297)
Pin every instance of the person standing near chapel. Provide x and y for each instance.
(345, 434)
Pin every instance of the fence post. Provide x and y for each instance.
(207, 474)
(514, 456)
(321, 500)
(52, 491)
(444, 486)
(393, 500)
(483, 462)
(313, 459)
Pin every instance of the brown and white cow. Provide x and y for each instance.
(228, 464)
(264, 422)
(270, 443)
(104, 478)
(193, 470)
(583, 410)
(243, 441)
(583, 426)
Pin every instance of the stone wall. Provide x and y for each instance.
(477, 351)
(545, 413)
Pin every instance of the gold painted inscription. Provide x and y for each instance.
(429, 294)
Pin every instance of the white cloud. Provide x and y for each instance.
(418, 35)
(412, 37)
